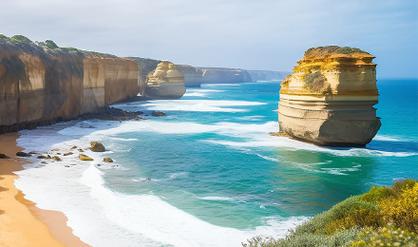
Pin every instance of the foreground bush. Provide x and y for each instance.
(385, 236)
(386, 215)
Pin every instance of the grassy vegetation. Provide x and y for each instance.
(50, 44)
(323, 51)
(20, 39)
(384, 216)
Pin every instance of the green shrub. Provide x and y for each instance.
(352, 212)
(4, 37)
(20, 39)
(341, 238)
(378, 193)
(382, 214)
(50, 44)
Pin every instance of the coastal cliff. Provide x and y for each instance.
(195, 76)
(165, 82)
(329, 98)
(41, 82)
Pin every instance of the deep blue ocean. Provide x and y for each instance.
(212, 155)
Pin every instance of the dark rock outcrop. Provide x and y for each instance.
(97, 147)
(111, 113)
(158, 114)
(107, 160)
(3, 156)
(23, 154)
(41, 83)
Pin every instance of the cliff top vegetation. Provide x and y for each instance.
(47, 45)
(326, 51)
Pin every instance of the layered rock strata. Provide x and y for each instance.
(165, 82)
(41, 83)
(329, 98)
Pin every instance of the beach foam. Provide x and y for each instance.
(252, 135)
(101, 217)
(200, 105)
(199, 92)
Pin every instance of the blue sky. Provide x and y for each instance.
(253, 34)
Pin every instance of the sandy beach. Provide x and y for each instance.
(21, 222)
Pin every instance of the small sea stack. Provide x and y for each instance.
(165, 82)
(328, 99)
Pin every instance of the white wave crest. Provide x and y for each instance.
(200, 105)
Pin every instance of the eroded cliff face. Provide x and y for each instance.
(329, 98)
(42, 83)
(195, 76)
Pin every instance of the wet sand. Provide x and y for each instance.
(21, 222)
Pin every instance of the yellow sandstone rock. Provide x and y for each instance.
(84, 157)
(329, 98)
(165, 82)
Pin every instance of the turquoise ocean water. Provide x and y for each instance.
(212, 156)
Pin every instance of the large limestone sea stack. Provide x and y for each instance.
(165, 82)
(329, 98)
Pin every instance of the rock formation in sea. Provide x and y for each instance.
(41, 82)
(165, 82)
(195, 76)
(329, 98)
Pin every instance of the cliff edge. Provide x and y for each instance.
(195, 76)
(41, 82)
(329, 97)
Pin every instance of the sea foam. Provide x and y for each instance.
(102, 217)
(200, 105)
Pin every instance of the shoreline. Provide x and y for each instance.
(21, 222)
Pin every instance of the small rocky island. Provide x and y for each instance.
(329, 97)
(165, 82)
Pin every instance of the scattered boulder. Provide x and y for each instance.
(80, 150)
(158, 114)
(84, 157)
(74, 147)
(97, 147)
(3, 156)
(68, 154)
(107, 160)
(22, 154)
(56, 158)
(43, 157)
